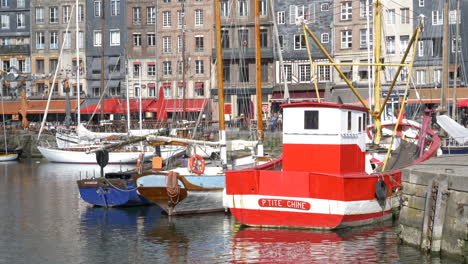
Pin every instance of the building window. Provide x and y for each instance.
(40, 66)
(179, 44)
(437, 76)
(243, 35)
(287, 73)
(80, 13)
(40, 40)
(136, 88)
(300, 11)
(421, 3)
(97, 8)
(39, 15)
(180, 18)
(53, 15)
(180, 67)
(420, 77)
(114, 37)
(199, 89)
(167, 44)
(364, 42)
(304, 73)
(224, 8)
(243, 8)
(137, 40)
(66, 13)
(391, 16)
(66, 40)
(391, 45)
(198, 17)
(346, 39)
(166, 19)
(420, 48)
(226, 72)
(136, 11)
(324, 7)
(263, 38)
(199, 67)
(4, 22)
(152, 89)
(167, 90)
(54, 40)
(23, 66)
(151, 15)
(20, 3)
(244, 72)
(405, 15)
(199, 43)
(404, 40)
(404, 74)
(264, 69)
(225, 39)
(346, 10)
(167, 68)
(167, 1)
(281, 41)
(454, 43)
(151, 39)
(115, 7)
(324, 38)
(136, 70)
(299, 42)
(263, 7)
(180, 90)
(453, 17)
(53, 63)
(20, 20)
(437, 18)
(363, 13)
(97, 38)
(151, 69)
(281, 17)
(324, 74)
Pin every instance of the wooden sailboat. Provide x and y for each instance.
(198, 187)
(326, 179)
(6, 155)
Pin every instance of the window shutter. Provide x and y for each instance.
(312, 13)
(292, 14)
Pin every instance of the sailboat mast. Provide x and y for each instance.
(184, 114)
(455, 73)
(445, 61)
(77, 42)
(258, 67)
(103, 43)
(3, 113)
(377, 52)
(219, 66)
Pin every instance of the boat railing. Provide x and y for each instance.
(454, 142)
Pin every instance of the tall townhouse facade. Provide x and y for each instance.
(428, 64)
(106, 38)
(238, 49)
(141, 48)
(184, 46)
(54, 34)
(318, 15)
(15, 43)
(352, 39)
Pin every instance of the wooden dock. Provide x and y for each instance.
(434, 214)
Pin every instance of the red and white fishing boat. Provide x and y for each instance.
(322, 181)
(328, 178)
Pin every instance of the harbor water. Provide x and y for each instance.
(43, 220)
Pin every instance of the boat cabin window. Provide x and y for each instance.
(360, 124)
(311, 120)
(349, 120)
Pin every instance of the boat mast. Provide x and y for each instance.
(445, 61)
(103, 43)
(219, 66)
(258, 66)
(455, 73)
(3, 112)
(378, 68)
(127, 99)
(280, 54)
(77, 42)
(184, 114)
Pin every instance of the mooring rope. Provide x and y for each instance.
(173, 189)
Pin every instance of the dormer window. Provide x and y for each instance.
(311, 120)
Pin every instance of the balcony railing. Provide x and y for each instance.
(14, 49)
(246, 53)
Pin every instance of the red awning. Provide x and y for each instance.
(111, 106)
(297, 96)
(151, 85)
(176, 105)
(135, 105)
